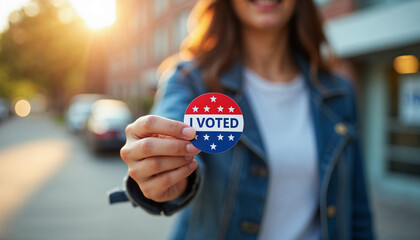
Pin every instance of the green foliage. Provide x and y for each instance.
(147, 103)
(140, 105)
(5, 84)
(24, 88)
(43, 53)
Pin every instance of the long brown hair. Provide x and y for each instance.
(215, 40)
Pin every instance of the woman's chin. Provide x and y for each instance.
(268, 25)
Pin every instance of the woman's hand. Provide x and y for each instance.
(159, 156)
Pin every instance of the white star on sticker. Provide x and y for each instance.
(213, 99)
(196, 137)
(231, 137)
(195, 109)
(206, 109)
(231, 109)
(220, 108)
(206, 137)
(213, 147)
(220, 137)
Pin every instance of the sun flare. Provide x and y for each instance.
(96, 13)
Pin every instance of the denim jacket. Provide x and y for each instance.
(226, 195)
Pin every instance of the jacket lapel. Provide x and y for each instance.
(325, 121)
(232, 82)
(330, 139)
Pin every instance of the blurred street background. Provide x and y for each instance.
(66, 68)
(52, 187)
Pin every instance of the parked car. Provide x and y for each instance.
(79, 110)
(4, 109)
(106, 124)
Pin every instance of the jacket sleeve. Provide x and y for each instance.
(362, 227)
(173, 97)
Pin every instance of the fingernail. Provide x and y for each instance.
(188, 132)
(190, 148)
(192, 165)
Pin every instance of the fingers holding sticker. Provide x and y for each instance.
(217, 120)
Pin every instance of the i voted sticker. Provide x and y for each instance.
(217, 120)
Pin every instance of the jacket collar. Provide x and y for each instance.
(322, 89)
(326, 87)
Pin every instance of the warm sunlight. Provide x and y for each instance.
(96, 13)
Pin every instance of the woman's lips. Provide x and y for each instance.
(265, 4)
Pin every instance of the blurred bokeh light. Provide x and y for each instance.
(32, 9)
(22, 108)
(406, 64)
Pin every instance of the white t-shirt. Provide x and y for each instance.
(283, 116)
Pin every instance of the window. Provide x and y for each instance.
(139, 18)
(403, 149)
(159, 7)
(181, 30)
(125, 60)
(160, 43)
(114, 65)
(133, 57)
(141, 54)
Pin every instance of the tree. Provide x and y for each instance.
(47, 46)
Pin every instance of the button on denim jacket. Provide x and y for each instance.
(226, 195)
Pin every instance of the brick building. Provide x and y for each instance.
(146, 32)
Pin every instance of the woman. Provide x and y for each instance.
(296, 172)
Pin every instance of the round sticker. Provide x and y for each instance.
(217, 120)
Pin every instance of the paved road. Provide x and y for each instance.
(52, 187)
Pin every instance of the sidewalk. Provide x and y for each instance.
(396, 209)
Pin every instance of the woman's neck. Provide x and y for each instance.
(269, 54)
